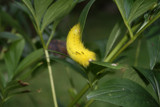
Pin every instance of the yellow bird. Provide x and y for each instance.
(76, 49)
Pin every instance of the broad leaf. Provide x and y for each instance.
(113, 37)
(8, 20)
(12, 56)
(109, 65)
(8, 35)
(131, 74)
(139, 7)
(28, 61)
(153, 43)
(84, 13)
(132, 9)
(30, 7)
(40, 8)
(123, 92)
(72, 65)
(57, 10)
(30, 72)
(149, 75)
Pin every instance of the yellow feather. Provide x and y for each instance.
(76, 49)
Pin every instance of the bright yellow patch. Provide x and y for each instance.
(76, 49)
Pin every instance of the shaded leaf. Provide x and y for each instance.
(57, 10)
(108, 65)
(21, 6)
(116, 31)
(139, 7)
(84, 13)
(121, 6)
(8, 20)
(123, 92)
(80, 1)
(29, 6)
(132, 9)
(131, 74)
(8, 35)
(28, 61)
(30, 72)
(73, 66)
(12, 56)
(40, 8)
(153, 43)
(149, 75)
(2, 81)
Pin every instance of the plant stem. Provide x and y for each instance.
(89, 103)
(80, 94)
(52, 33)
(114, 51)
(51, 79)
(49, 69)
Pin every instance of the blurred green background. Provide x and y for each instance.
(101, 19)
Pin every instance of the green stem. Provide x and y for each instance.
(51, 79)
(52, 33)
(129, 29)
(114, 51)
(135, 37)
(80, 94)
(41, 38)
(50, 38)
(89, 103)
(49, 69)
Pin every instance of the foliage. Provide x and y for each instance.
(125, 54)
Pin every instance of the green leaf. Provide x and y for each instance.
(153, 43)
(40, 8)
(149, 75)
(28, 61)
(113, 37)
(124, 7)
(123, 92)
(80, 1)
(131, 74)
(127, 7)
(30, 7)
(73, 66)
(139, 7)
(12, 56)
(84, 13)
(30, 72)
(2, 81)
(108, 65)
(21, 6)
(8, 35)
(56, 11)
(8, 20)
(132, 9)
